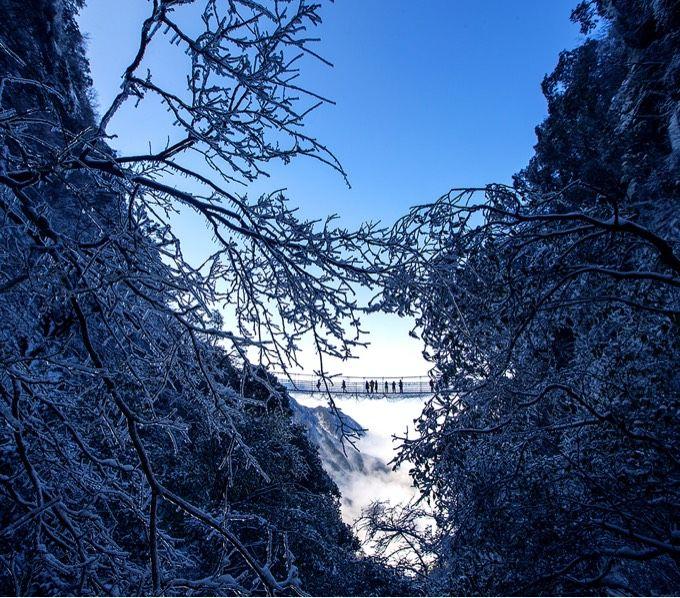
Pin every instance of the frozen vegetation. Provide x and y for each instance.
(146, 450)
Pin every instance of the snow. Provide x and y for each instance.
(383, 418)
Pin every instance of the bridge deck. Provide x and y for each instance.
(383, 386)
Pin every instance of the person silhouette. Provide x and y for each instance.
(387, 387)
(394, 386)
(368, 389)
(431, 385)
(318, 385)
(344, 386)
(401, 387)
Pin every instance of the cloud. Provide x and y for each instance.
(383, 418)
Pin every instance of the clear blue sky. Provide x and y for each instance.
(430, 94)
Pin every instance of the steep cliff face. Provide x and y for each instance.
(324, 431)
(614, 109)
(42, 42)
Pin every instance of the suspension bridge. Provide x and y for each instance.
(377, 387)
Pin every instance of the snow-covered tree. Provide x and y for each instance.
(550, 310)
(140, 451)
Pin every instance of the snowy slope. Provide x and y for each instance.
(362, 476)
(323, 429)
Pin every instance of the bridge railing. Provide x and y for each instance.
(382, 385)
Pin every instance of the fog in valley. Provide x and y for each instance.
(367, 474)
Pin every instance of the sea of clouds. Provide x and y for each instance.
(383, 418)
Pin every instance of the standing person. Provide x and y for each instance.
(344, 386)
(368, 390)
(318, 385)
(387, 387)
(394, 386)
(401, 386)
(431, 385)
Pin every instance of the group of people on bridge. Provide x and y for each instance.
(373, 387)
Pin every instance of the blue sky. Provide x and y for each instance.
(430, 94)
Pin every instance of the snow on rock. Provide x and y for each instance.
(363, 474)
